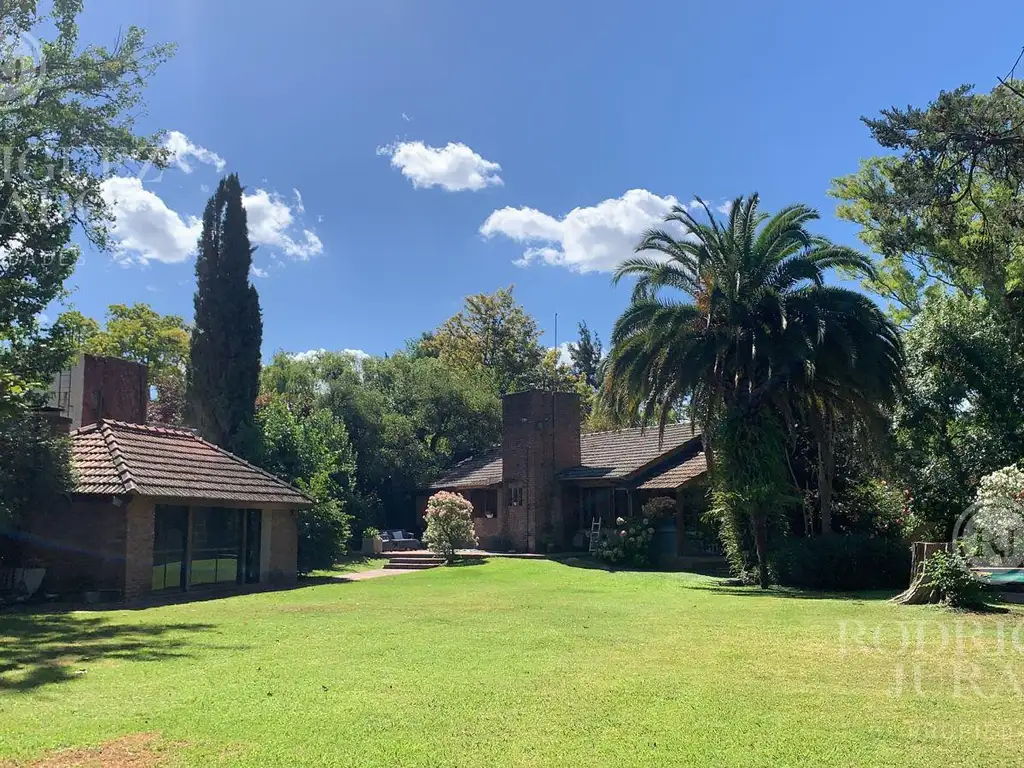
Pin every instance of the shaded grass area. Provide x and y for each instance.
(521, 663)
(350, 564)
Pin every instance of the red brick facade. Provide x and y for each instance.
(138, 572)
(80, 543)
(284, 547)
(113, 389)
(540, 437)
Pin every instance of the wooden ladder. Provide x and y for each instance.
(595, 534)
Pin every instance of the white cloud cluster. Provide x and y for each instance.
(312, 354)
(455, 166)
(181, 149)
(143, 225)
(270, 224)
(590, 239)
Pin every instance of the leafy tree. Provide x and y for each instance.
(161, 342)
(222, 379)
(64, 133)
(944, 208)
(944, 211)
(492, 332)
(745, 347)
(586, 355)
(311, 449)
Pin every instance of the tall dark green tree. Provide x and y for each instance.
(224, 364)
(586, 354)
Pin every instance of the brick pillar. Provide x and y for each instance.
(284, 547)
(138, 548)
(540, 438)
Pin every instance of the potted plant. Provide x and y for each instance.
(372, 544)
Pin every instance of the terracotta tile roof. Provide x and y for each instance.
(677, 474)
(474, 472)
(603, 455)
(114, 458)
(618, 454)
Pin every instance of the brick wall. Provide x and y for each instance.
(138, 572)
(113, 389)
(80, 543)
(284, 547)
(540, 437)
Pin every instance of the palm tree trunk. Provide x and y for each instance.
(826, 475)
(759, 522)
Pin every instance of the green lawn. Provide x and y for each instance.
(516, 663)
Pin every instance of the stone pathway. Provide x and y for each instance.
(363, 575)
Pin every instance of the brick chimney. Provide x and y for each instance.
(102, 388)
(540, 438)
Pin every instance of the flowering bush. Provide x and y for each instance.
(629, 543)
(992, 532)
(449, 518)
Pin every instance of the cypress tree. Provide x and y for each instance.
(224, 366)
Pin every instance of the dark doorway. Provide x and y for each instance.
(253, 544)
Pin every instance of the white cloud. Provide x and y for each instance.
(563, 354)
(257, 272)
(725, 208)
(591, 239)
(406, 118)
(144, 226)
(455, 166)
(299, 206)
(313, 354)
(181, 149)
(271, 218)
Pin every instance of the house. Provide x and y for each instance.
(542, 488)
(155, 509)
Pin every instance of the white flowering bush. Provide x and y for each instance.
(992, 532)
(449, 518)
(629, 543)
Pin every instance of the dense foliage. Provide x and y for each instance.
(449, 519)
(310, 448)
(760, 343)
(222, 379)
(949, 575)
(855, 561)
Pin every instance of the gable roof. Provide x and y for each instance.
(474, 472)
(615, 455)
(621, 453)
(116, 458)
(677, 474)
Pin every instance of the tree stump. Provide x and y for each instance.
(921, 591)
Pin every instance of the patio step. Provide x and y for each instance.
(412, 562)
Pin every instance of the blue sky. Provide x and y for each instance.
(572, 125)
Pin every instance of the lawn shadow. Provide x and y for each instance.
(41, 649)
(734, 589)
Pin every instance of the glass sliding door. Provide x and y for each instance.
(216, 546)
(170, 538)
(253, 544)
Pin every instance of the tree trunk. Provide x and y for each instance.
(921, 590)
(759, 522)
(826, 474)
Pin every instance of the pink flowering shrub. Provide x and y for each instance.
(449, 518)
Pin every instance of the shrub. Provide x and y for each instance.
(629, 543)
(659, 508)
(841, 563)
(449, 519)
(371, 532)
(950, 575)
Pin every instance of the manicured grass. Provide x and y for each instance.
(517, 663)
(352, 564)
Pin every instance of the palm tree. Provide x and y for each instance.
(755, 340)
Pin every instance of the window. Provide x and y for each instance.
(216, 545)
(595, 503)
(515, 496)
(170, 526)
(484, 501)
